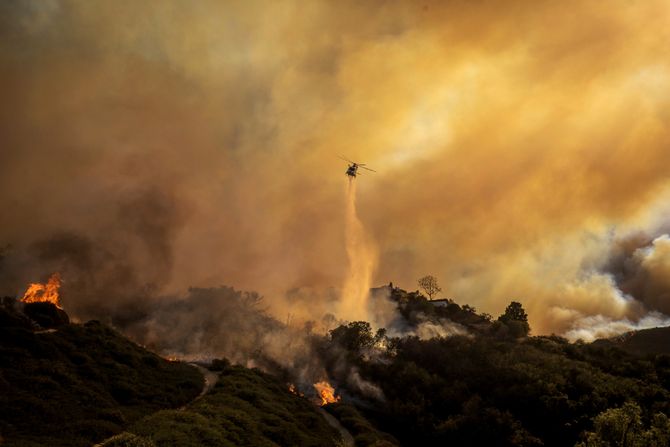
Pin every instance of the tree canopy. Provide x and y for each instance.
(514, 322)
(429, 285)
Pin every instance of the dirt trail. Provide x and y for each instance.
(210, 380)
(347, 439)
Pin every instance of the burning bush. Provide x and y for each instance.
(326, 393)
(38, 293)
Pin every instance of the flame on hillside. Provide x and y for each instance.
(293, 390)
(48, 292)
(326, 393)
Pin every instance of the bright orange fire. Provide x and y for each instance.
(326, 393)
(44, 292)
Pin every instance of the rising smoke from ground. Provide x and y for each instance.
(171, 145)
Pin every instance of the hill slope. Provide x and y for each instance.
(652, 341)
(490, 387)
(245, 408)
(81, 383)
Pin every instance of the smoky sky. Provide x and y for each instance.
(197, 144)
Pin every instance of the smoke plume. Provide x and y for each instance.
(151, 147)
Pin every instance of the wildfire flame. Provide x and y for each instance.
(326, 393)
(293, 390)
(44, 292)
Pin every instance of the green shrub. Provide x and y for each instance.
(81, 384)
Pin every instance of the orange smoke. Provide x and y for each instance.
(326, 393)
(44, 292)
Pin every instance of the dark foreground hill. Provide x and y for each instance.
(246, 408)
(493, 384)
(80, 383)
(490, 384)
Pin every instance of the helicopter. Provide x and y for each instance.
(352, 170)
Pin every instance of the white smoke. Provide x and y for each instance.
(594, 327)
(369, 389)
(443, 328)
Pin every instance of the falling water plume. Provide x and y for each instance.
(362, 256)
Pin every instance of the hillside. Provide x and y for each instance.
(246, 408)
(75, 385)
(483, 391)
(449, 376)
(80, 383)
(488, 383)
(652, 341)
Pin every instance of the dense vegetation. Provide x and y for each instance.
(488, 382)
(496, 386)
(363, 432)
(81, 383)
(245, 408)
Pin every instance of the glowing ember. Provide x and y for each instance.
(44, 292)
(326, 393)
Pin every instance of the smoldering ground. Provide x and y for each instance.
(510, 140)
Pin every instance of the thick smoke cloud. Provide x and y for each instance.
(110, 273)
(173, 145)
(642, 270)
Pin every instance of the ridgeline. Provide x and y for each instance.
(442, 374)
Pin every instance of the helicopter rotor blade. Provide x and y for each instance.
(346, 159)
(361, 166)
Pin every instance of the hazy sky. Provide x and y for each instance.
(520, 145)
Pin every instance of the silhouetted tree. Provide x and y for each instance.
(515, 312)
(516, 320)
(354, 336)
(429, 285)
